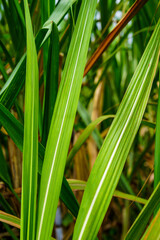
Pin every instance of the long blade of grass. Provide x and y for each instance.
(139, 225)
(63, 120)
(15, 130)
(30, 145)
(46, 9)
(80, 185)
(123, 182)
(112, 156)
(51, 82)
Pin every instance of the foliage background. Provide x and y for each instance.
(102, 91)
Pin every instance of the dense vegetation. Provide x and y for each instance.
(79, 107)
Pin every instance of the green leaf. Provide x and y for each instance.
(152, 231)
(149, 124)
(30, 144)
(99, 141)
(80, 185)
(139, 225)
(63, 120)
(3, 71)
(82, 138)
(13, 85)
(19, 11)
(112, 156)
(13, 127)
(11, 220)
(51, 82)
(86, 119)
(12, 19)
(10, 90)
(15, 131)
(129, 197)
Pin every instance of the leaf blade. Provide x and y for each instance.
(114, 151)
(63, 119)
(16, 132)
(30, 147)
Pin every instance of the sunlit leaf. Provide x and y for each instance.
(30, 143)
(112, 156)
(62, 120)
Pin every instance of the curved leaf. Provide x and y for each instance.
(15, 131)
(112, 156)
(63, 120)
(30, 144)
(80, 185)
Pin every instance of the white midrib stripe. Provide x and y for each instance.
(110, 161)
(49, 181)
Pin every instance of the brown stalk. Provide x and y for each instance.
(96, 112)
(112, 35)
(81, 170)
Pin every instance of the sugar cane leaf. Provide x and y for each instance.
(51, 82)
(30, 144)
(80, 185)
(63, 120)
(112, 156)
(15, 82)
(152, 231)
(139, 225)
(15, 130)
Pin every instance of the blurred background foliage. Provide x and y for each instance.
(101, 93)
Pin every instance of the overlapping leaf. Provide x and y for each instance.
(110, 161)
(15, 82)
(15, 130)
(80, 185)
(30, 144)
(138, 227)
(62, 120)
